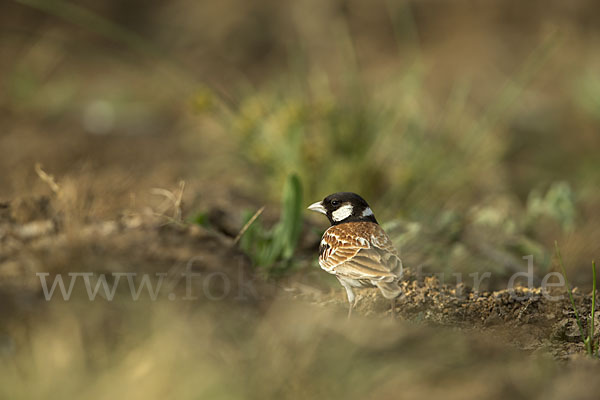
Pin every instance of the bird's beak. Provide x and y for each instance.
(318, 207)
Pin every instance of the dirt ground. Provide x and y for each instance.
(282, 338)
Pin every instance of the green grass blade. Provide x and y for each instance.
(564, 272)
(593, 343)
(267, 247)
(291, 218)
(93, 22)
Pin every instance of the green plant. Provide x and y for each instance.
(287, 129)
(200, 218)
(386, 139)
(273, 249)
(594, 346)
(557, 203)
(589, 342)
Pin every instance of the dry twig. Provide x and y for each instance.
(247, 225)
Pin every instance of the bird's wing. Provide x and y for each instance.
(373, 264)
(363, 254)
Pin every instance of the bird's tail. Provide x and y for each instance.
(390, 290)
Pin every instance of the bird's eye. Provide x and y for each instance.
(335, 203)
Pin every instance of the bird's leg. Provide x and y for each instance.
(351, 307)
(393, 308)
(351, 297)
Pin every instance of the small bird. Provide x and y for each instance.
(356, 249)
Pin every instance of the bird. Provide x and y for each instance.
(356, 249)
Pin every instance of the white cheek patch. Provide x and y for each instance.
(342, 213)
(367, 212)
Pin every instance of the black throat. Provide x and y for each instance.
(352, 218)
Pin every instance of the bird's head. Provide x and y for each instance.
(344, 207)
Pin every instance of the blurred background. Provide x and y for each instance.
(470, 126)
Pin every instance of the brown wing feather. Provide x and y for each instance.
(369, 264)
(360, 251)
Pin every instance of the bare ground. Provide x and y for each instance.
(254, 338)
(35, 238)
